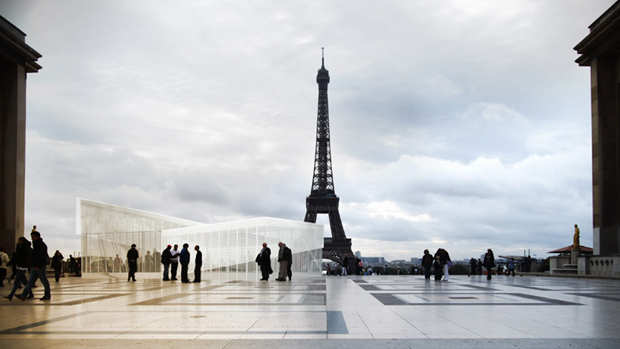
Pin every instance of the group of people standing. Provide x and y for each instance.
(440, 264)
(285, 261)
(171, 257)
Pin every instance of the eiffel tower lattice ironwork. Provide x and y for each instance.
(323, 199)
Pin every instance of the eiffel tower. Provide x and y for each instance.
(323, 199)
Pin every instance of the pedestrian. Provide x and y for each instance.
(479, 267)
(427, 264)
(511, 267)
(283, 262)
(72, 265)
(57, 264)
(4, 261)
(13, 265)
(527, 264)
(117, 264)
(197, 263)
(21, 262)
(264, 261)
(489, 262)
(445, 261)
(148, 261)
(166, 257)
(473, 265)
(184, 257)
(289, 264)
(329, 270)
(174, 262)
(437, 268)
(359, 266)
(156, 257)
(345, 265)
(132, 262)
(40, 260)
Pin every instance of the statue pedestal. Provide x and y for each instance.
(574, 255)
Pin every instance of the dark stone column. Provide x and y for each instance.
(16, 59)
(12, 157)
(606, 154)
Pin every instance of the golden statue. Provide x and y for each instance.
(576, 237)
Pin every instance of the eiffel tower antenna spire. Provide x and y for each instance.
(323, 198)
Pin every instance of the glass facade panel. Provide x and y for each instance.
(229, 249)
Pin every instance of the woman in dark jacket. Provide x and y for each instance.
(23, 261)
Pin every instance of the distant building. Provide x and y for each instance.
(358, 254)
(373, 261)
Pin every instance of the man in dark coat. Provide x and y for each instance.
(165, 260)
(40, 260)
(427, 264)
(264, 260)
(288, 255)
(132, 261)
(197, 264)
(184, 257)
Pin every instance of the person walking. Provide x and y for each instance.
(427, 264)
(264, 261)
(57, 264)
(166, 257)
(37, 271)
(197, 263)
(21, 262)
(174, 262)
(184, 257)
(489, 262)
(4, 261)
(345, 265)
(132, 261)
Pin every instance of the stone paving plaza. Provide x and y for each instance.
(319, 312)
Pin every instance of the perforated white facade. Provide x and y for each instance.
(229, 249)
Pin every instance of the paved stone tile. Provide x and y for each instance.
(322, 312)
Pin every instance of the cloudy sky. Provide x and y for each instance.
(455, 124)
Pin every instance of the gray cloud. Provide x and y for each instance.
(464, 126)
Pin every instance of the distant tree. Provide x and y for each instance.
(544, 266)
(459, 269)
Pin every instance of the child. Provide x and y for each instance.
(511, 267)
